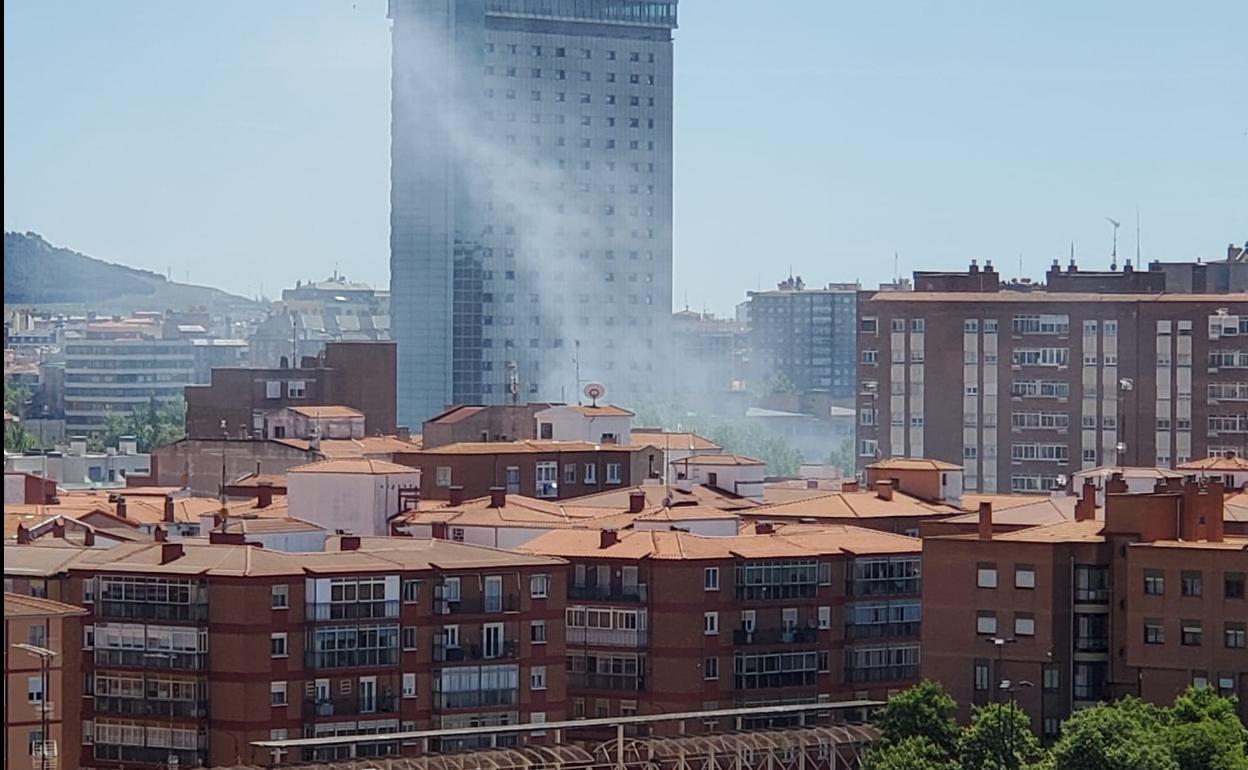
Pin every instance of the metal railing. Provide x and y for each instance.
(476, 699)
(381, 704)
(609, 637)
(1091, 644)
(174, 661)
(883, 587)
(371, 657)
(475, 651)
(769, 591)
(478, 605)
(774, 636)
(152, 755)
(881, 630)
(607, 593)
(106, 609)
(331, 611)
(1092, 595)
(190, 709)
(626, 682)
(882, 674)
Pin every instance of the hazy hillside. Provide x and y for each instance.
(38, 274)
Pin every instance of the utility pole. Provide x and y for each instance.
(47, 748)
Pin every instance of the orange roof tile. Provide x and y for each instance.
(602, 411)
(1063, 532)
(524, 447)
(22, 606)
(718, 459)
(849, 505)
(326, 412)
(672, 440)
(356, 465)
(1216, 464)
(913, 464)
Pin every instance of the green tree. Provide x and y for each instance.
(999, 737)
(1203, 732)
(152, 425)
(924, 711)
(843, 456)
(1126, 735)
(16, 397)
(915, 752)
(17, 438)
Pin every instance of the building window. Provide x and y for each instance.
(591, 473)
(917, 325)
(409, 637)
(34, 689)
(1191, 633)
(1233, 585)
(273, 389)
(296, 388)
(37, 635)
(710, 668)
(983, 678)
(1154, 631)
(613, 473)
(411, 591)
(409, 685)
(825, 618)
(1234, 636)
(710, 579)
(710, 623)
(986, 576)
(537, 632)
(1154, 582)
(277, 694)
(280, 597)
(277, 645)
(1191, 583)
(1051, 678)
(539, 586)
(537, 678)
(869, 324)
(1024, 576)
(442, 476)
(1024, 625)
(547, 479)
(986, 623)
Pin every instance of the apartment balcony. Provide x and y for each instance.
(105, 609)
(1091, 644)
(466, 651)
(881, 630)
(328, 612)
(609, 637)
(477, 605)
(774, 636)
(168, 661)
(767, 680)
(881, 674)
(351, 706)
(1091, 596)
(149, 755)
(624, 683)
(637, 593)
(369, 658)
(888, 587)
(149, 707)
(476, 699)
(773, 591)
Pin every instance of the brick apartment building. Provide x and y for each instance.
(34, 696)
(1144, 600)
(482, 423)
(1095, 369)
(195, 650)
(550, 470)
(669, 621)
(359, 375)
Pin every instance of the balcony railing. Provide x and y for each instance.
(881, 630)
(765, 680)
(882, 674)
(1090, 692)
(106, 609)
(1092, 595)
(1091, 644)
(886, 587)
(478, 605)
(330, 611)
(151, 755)
(385, 704)
(609, 637)
(769, 591)
(774, 636)
(174, 661)
(637, 593)
(476, 699)
(189, 709)
(630, 683)
(370, 658)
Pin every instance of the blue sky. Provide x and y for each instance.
(244, 144)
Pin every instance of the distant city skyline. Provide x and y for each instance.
(244, 145)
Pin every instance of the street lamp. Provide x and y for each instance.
(1003, 685)
(45, 657)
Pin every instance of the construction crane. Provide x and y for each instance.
(1114, 264)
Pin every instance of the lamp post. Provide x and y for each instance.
(1002, 686)
(45, 657)
(1012, 688)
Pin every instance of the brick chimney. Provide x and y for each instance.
(227, 538)
(457, 495)
(884, 489)
(1115, 484)
(1085, 506)
(403, 433)
(498, 497)
(437, 530)
(159, 534)
(636, 501)
(349, 543)
(121, 507)
(169, 510)
(985, 520)
(88, 537)
(23, 535)
(1215, 526)
(608, 538)
(170, 552)
(264, 494)
(58, 528)
(849, 486)
(764, 528)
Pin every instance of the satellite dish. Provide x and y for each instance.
(594, 391)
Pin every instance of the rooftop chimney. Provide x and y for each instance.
(169, 515)
(457, 495)
(985, 520)
(159, 534)
(403, 433)
(170, 552)
(58, 528)
(498, 497)
(23, 535)
(1215, 526)
(1115, 484)
(636, 501)
(349, 543)
(764, 528)
(608, 538)
(884, 489)
(121, 507)
(88, 537)
(437, 530)
(849, 486)
(1085, 506)
(264, 494)
(227, 538)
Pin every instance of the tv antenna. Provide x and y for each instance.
(1114, 264)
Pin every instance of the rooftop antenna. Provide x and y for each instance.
(896, 267)
(1137, 236)
(576, 362)
(1113, 265)
(1020, 267)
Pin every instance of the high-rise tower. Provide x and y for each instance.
(531, 198)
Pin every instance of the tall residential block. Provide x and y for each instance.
(531, 198)
(1024, 385)
(804, 335)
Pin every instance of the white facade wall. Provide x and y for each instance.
(358, 504)
(568, 424)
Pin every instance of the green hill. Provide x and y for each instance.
(38, 274)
